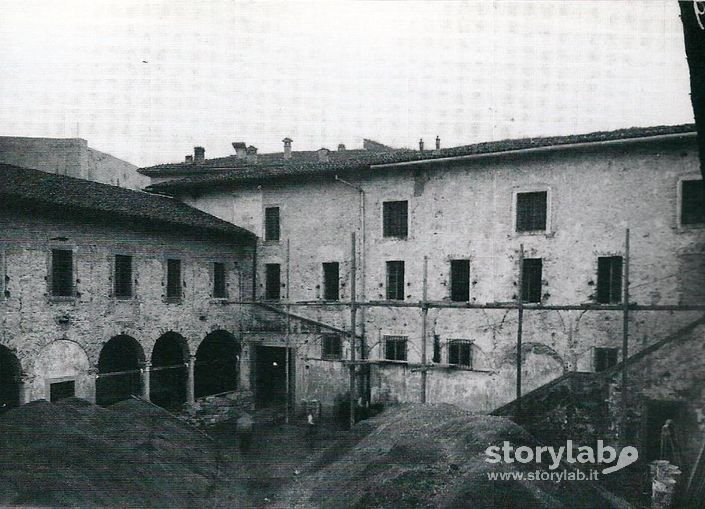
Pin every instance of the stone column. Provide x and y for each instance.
(24, 387)
(191, 382)
(92, 382)
(144, 374)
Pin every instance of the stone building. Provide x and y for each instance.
(438, 255)
(72, 157)
(107, 292)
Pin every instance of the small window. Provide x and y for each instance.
(271, 223)
(692, 202)
(62, 390)
(609, 279)
(395, 219)
(531, 280)
(531, 211)
(62, 273)
(272, 290)
(331, 347)
(460, 280)
(173, 280)
(331, 281)
(460, 352)
(395, 280)
(395, 348)
(436, 349)
(220, 290)
(605, 358)
(122, 285)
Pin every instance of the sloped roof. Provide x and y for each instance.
(22, 187)
(362, 159)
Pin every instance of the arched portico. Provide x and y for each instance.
(10, 380)
(119, 370)
(169, 372)
(61, 370)
(217, 367)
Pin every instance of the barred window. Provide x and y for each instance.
(609, 279)
(531, 211)
(220, 290)
(460, 352)
(395, 348)
(605, 358)
(395, 219)
(331, 347)
(395, 280)
(62, 273)
(531, 280)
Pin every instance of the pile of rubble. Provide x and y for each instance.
(211, 410)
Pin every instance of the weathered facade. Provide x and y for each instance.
(107, 292)
(463, 210)
(72, 157)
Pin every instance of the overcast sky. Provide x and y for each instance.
(147, 80)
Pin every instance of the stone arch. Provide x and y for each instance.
(169, 371)
(217, 366)
(10, 379)
(62, 369)
(540, 364)
(119, 367)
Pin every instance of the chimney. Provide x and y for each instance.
(199, 155)
(287, 148)
(189, 159)
(323, 155)
(240, 149)
(421, 145)
(251, 154)
(341, 148)
(438, 143)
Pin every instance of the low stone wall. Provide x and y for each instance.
(210, 410)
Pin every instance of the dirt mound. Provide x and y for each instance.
(434, 456)
(74, 453)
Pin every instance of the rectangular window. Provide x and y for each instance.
(271, 223)
(62, 273)
(395, 280)
(395, 348)
(220, 290)
(531, 211)
(62, 390)
(460, 352)
(692, 202)
(609, 279)
(173, 280)
(122, 284)
(531, 280)
(331, 281)
(460, 280)
(272, 290)
(436, 349)
(605, 358)
(395, 219)
(331, 347)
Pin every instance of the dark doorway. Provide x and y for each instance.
(62, 390)
(271, 376)
(657, 413)
(217, 364)
(119, 370)
(10, 373)
(169, 372)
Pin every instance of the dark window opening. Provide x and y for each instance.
(173, 280)
(605, 358)
(395, 219)
(437, 349)
(609, 279)
(271, 223)
(220, 290)
(331, 281)
(460, 280)
(460, 353)
(123, 276)
(692, 202)
(395, 280)
(531, 211)
(395, 348)
(531, 280)
(62, 390)
(62, 272)
(272, 290)
(331, 347)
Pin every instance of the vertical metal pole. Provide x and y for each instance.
(625, 335)
(424, 319)
(353, 310)
(520, 324)
(288, 332)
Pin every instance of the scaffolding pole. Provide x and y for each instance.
(520, 324)
(353, 310)
(424, 325)
(625, 336)
(288, 333)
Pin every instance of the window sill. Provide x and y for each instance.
(392, 361)
(534, 233)
(219, 300)
(331, 358)
(684, 228)
(63, 298)
(124, 299)
(174, 300)
(394, 237)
